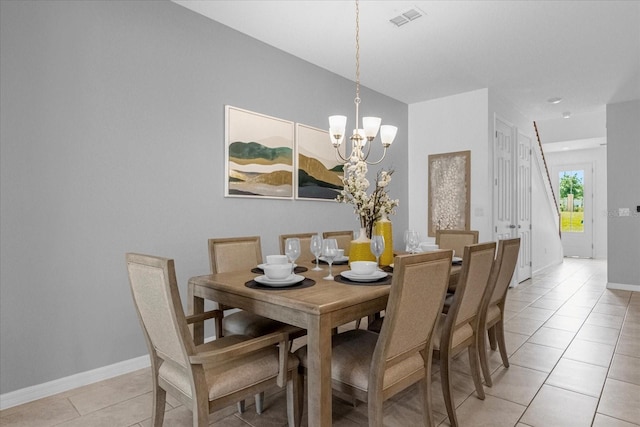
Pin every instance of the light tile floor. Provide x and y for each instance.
(574, 349)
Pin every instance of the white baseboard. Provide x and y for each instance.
(39, 391)
(623, 287)
(50, 388)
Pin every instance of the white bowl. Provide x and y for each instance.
(277, 259)
(277, 271)
(363, 267)
(428, 247)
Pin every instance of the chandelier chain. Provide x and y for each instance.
(357, 100)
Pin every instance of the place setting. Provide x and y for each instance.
(280, 271)
(364, 273)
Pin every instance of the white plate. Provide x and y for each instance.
(336, 260)
(261, 266)
(291, 280)
(376, 275)
(456, 259)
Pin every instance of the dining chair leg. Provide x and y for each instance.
(259, 403)
(374, 410)
(491, 333)
(301, 390)
(484, 360)
(475, 370)
(447, 392)
(501, 343)
(425, 385)
(240, 406)
(159, 402)
(294, 409)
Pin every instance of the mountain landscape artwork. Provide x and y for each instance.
(259, 155)
(319, 172)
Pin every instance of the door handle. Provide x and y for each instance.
(512, 226)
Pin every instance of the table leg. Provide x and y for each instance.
(195, 305)
(319, 371)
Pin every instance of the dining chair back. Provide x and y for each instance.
(372, 367)
(234, 253)
(492, 312)
(207, 377)
(456, 240)
(344, 239)
(458, 328)
(305, 245)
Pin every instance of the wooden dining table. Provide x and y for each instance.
(319, 309)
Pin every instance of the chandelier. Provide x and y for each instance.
(361, 138)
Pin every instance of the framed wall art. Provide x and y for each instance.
(449, 191)
(319, 173)
(258, 155)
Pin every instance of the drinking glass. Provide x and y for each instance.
(329, 252)
(413, 241)
(292, 250)
(316, 249)
(377, 247)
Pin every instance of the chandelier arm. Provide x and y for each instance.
(339, 156)
(368, 151)
(384, 153)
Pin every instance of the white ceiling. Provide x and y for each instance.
(587, 52)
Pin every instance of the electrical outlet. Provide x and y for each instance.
(623, 212)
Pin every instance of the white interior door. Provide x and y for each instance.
(512, 192)
(504, 181)
(523, 208)
(573, 183)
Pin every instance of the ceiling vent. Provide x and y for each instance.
(406, 17)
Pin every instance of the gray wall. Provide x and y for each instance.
(623, 191)
(112, 141)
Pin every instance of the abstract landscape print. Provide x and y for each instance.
(259, 155)
(319, 172)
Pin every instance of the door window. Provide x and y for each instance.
(571, 186)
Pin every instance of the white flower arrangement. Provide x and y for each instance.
(368, 208)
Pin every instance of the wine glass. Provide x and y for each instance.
(329, 252)
(377, 247)
(316, 249)
(292, 250)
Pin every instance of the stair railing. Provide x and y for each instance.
(544, 161)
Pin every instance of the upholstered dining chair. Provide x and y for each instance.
(372, 367)
(206, 377)
(458, 328)
(456, 240)
(344, 239)
(235, 254)
(492, 312)
(305, 245)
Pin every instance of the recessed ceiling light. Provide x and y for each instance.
(554, 100)
(566, 114)
(565, 148)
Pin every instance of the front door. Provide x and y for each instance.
(573, 185)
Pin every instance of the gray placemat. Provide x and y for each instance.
(383, 281)
(306, 283)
